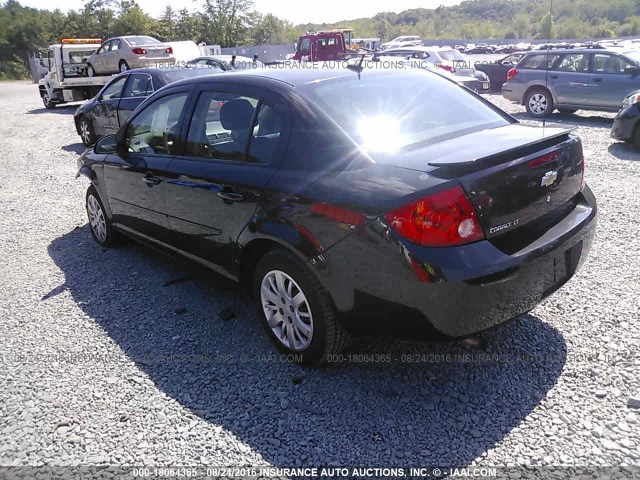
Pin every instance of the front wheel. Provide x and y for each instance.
(46, 100)
(101, 229)
(539, 103)
(87, 133)
(91, 72)
(296, 310)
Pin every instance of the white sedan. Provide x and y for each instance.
(119, 54)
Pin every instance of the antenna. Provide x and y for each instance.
(546, 70)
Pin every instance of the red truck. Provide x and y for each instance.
(321, 46)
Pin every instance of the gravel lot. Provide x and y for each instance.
(127, 357)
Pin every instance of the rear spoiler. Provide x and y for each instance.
(547, 134)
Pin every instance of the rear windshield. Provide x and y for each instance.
(173, 75)
(451, 55)
(133, 41)
(386, 111)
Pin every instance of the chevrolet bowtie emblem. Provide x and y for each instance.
(548, 178)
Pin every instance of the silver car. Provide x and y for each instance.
(119, 54)
(575, 79)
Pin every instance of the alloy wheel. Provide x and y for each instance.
(85, 133)
(97, 219)
(538, 103)
(286, 310)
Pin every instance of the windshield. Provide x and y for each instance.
(134, 41)
(386, 111)
(633, 55)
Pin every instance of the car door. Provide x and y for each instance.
(569, 78)
(235, 143)
(99, 61)
(113, 57)
(105, 113)
(137, 89)
(135, 177)
(611, 80)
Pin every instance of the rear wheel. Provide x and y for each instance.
(87, 134)
(101, 229)
(539, 102)
(636, 137)
(296, 310)
(123, 66)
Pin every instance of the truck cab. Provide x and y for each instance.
(321, 46)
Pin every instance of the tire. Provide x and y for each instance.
(567, 111)
(91, 72)
(101, 229)
(539, 102)
(278, 279)
(635, 140)
(87, 133)
(123, 66)
(46, 100)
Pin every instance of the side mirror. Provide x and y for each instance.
(106, 145)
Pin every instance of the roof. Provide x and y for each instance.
(293, 76)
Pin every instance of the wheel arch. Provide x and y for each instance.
(538, 86)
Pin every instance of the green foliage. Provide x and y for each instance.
(234, 22)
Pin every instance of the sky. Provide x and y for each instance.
(309, 11)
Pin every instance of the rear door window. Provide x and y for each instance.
(611, 64)
(539, 61)
(573, 62)
(140, 85)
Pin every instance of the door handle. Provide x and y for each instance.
(231, 196)
(151, 181)
(597, 79)
(554, 76)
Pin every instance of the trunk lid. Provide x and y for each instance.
(514, 175)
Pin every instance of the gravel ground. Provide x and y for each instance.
(127, 357)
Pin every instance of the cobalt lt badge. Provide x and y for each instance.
(548, 178)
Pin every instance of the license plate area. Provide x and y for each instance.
(560, 268)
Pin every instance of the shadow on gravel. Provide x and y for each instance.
(624, 151)
(74, 148)
(561, 120)
(197, 338)
(60, 110)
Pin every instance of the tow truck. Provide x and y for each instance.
(66, 81)
(326, 45)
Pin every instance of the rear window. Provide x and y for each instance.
(451, 55)
(133, 41)
(174, 75)
(539, 61)
(386, 111)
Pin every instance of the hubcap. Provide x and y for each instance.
(85, 134)
(45, 99)
(538, 103)
(96, 219)
(286, 310)
(90, 71)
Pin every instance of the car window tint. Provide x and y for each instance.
(266, 134)
(139, 86)
(114, 89)
(221, 126)
(573, 62)
(540, 61)
(155, 129)
(613, 64)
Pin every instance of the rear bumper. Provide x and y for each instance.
(625, 122)
(456, 291)
(512, 93)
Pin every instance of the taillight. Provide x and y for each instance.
(139, 51)
(512, 73)
(446, 67)
(169, 50)
(443, 219)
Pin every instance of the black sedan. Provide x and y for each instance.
(497, 71)
(331, 192)
(112, 106)
(626, 124)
